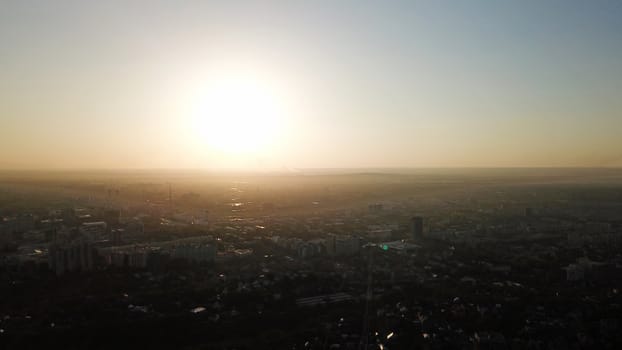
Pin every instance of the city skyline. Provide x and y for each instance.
(273, 85)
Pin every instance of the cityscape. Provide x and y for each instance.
(311, 175)
(413, 259)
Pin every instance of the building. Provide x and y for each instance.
(416, 225)
(378, 234)
(310, 249)
(341, 245)
(136, 256)
(94, 231)
(134, 227)
(375, 207)
(324, 299)
(70, 257)
(111, 218)
(17, 225)
(195, 252)
(115, 236)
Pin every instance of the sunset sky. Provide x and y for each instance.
(330, 84)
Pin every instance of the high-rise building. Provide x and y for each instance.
(342, 245)
(115, 236)
(69, 257)
(416, 224)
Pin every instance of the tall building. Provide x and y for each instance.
(330, 244)
(115, 236)
(340, 245)
(69, 257)
(416, 224)
(123, 257)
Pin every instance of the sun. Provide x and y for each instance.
(238, 115)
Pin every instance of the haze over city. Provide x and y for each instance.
(311, 175)
(273, 84)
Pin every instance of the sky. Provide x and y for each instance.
(310, 84)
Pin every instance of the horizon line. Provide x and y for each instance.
(300, 169)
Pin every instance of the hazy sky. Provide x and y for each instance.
(117, 84)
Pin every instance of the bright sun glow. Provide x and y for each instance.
(238, 115)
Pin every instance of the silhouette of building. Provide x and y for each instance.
(111, 217)
(94, 231)
(115, 236)
(341, 245)
(70, 257)
(416, 224)
(195, 252)
(375, 207)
